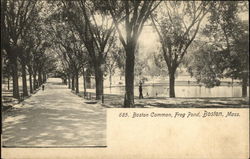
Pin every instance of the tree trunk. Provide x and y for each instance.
(30, 80)
(8, 82)
(44, 77)
(84, 82)
(65, 80)
(98, 82)
(172, 83)
(13, 61)
(77, 82)
(34, 80)
(129, 77)
(244, 86)
(73, 83)
(24, 80)
(69, 83)
(110, 80)
(40, 78)
(88, 79)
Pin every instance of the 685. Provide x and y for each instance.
(123, 114)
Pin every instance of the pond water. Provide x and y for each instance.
(181, 91)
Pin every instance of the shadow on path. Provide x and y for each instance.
(55, 117)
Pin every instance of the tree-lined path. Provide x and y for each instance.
(55, 117)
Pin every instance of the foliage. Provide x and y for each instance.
(227, 51)
(207, 65)
(177, 26)
(158, 68)
(131, 15)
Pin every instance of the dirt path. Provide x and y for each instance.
(55, 117)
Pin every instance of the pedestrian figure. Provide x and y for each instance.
(43, 87)
(140, 91)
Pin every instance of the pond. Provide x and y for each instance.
(181, 91)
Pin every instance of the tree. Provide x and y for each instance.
(239, 59)
(16, 19)
(111, 63)
(23, 62)
(230, 34)
(37, 50)
(207, 64)
(97, 35)
(39, 67)
(27, 46)
(120, 59)
(72, 54)
(6, 68)
(31, 43)
(70, 50)
(63, 67)
(177, 28)
(141, 66)
(132, 15)
(49, 65)
(158, 67)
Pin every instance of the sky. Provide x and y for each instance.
(149, 40)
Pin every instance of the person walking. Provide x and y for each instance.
(43, 87)
(140, 91)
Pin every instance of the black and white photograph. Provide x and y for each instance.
(65, 64)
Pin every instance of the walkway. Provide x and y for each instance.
(55, 117)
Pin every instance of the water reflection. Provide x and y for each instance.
(181, 91)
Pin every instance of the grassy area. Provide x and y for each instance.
(8, 101)
(116, 101)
